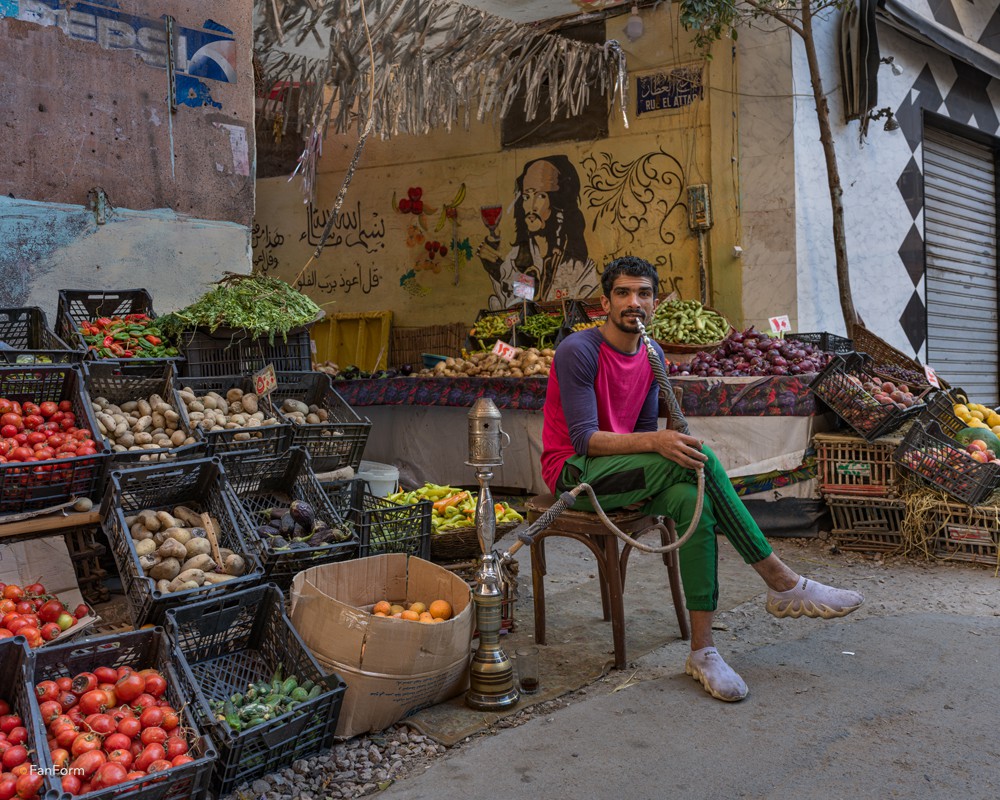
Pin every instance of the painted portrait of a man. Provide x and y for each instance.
(549, 244)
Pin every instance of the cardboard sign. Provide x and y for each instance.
(505, 351)
(932, 377)
(265, 381)
(524, 286)
(780, 324)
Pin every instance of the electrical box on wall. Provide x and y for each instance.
(699, 207)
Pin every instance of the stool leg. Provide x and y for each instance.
(614, 580)
(602, 577)
(672, 560)
(538, 586)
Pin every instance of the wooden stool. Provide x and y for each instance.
(587, 527)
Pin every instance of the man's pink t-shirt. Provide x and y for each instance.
(592, 386)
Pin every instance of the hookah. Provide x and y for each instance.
(491, 683)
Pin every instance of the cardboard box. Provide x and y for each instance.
(47, 561)
(392, 667)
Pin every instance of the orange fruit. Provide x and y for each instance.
(395, 608)
(426, 618)
(410, 614)
(438, 619)
(382, 607)
(420, 608)
(379, 614)
(441, 609)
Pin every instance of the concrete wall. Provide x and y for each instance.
(84, 103)
(633, 198)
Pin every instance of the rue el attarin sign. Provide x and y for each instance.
(664, 91)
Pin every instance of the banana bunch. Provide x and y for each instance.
(450, 210)
(687, 322)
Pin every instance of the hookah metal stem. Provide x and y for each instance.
(677, 419)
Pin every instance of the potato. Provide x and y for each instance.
(177, 438)
(168, 520)
(209, 402)
(234, 395)
(142, 438)
(168, 569)
(140, 532)
(143, 423)
(195, 576)
(217, 577)
(183, 587)
(171, 548)
(145, 547)
(163, 586)
(249, 402)
(178, 534)
(196, 405)
(197, 547)
(234, 565)
(188, 516)
(143, 407)
(148, 561)
(201, 562)
(149, 521)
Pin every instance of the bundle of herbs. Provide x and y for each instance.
(260, 305)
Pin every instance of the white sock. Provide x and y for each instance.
(719, 679)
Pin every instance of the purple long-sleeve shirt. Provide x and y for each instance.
(594, 387)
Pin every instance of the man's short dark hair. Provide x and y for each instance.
(629, 265)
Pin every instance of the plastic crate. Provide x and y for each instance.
(26, 331)
(888, 362)
(33, 486)
(344, 495)
(387, 527)
(262, 484)
(261, 442)
(199, 485)
(868, 524)
(824, 341)
(962, 533)
(510, 319)
(146, 649)
(850, 465)
(228, 351)
(939, 410)
(222, 647)
(558, 309)
(938, 461)
(585, 314)
(85, 552)
(839, 386)
(119, 385)
(338, 442)
(16, 688)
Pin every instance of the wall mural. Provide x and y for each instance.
(428, 251)
(549, 244)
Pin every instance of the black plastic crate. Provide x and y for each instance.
(825, 341)
(200, 485)
(943, 463)
(387, 527)
(145, 649)
(505, 321)
(36, 485)
(939, 410)
(263, 441)
(26, 332)
(16, 688)
(345, 495)
(121, 384)
(228, 351)
(338, 442)
(557, 310)
(263, 484)
(840, 387)
(227, 644)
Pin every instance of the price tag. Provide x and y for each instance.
(504, 350)
(780, 324)
(932, 377)
(524, 286)
(265, 381)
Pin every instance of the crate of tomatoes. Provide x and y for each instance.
(48, 454)
(116, 719)
(26, 768)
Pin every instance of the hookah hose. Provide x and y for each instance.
(566, 499)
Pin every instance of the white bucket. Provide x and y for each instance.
(383, 479)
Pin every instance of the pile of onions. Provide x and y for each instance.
(752, 352)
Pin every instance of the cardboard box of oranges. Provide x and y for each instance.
(393, 665)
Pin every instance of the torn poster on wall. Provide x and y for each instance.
(207, 53)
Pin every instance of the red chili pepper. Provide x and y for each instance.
(109, 340)
(127, 354)
(136, 318)
(117, 350)
(103, 322)
(153, 340)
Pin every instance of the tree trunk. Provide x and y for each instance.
(832, 173)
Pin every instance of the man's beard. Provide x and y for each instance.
(627, 323)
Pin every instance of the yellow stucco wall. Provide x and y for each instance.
(633, 197)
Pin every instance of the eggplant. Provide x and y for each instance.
(303, 514)
(287, 525)
(278, 543)
(298, 545)
(320, 526)
(277, 513)
(268, 530)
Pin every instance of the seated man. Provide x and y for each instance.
(600, 427)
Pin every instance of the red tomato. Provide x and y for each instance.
(27, 407)
(159, 765)
(15, 624)
(121, 756)
(7, 431)
(48, 408)
(88, 763)
(32, 421)
(29, 785)
(84, 743)
(156, 685)
(171, 719)
(175, 746)
(8, 786)
(184, 758)
(14, 420)
(81, 434)
(33, 635)
(95, 701)
(109, 774)
(117, 741)
(57, 440)
(13, 592)
(50, 631)
(130, 727)
(5, 634)
(150, 753)
(24, 607)
(20, 454)
(101, 723)
(7, 606)
(37, 437)
(65, 405)
(80, 612)
(18, 736)
(71, 784)
(129, 687)
(154, 735)
(66, 684)
(151, 717)
(60, 757)
(66, 737)
(85, 681)
(104, 674)
(21, 438)
(50, 710)
(66, 424)
(18, 755)
(9, 721)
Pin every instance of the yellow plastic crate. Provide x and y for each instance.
(361, 339)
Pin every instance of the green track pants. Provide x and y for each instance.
(667, 489)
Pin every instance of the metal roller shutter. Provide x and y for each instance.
(960, 239)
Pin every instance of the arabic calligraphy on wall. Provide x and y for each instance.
(628, 196)
(351, 228)
(265, 241)
(667, 91)
(356, 278)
